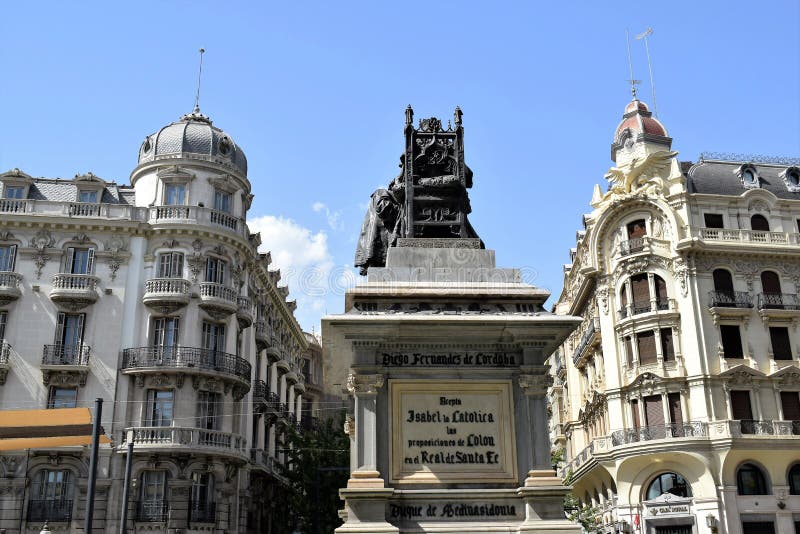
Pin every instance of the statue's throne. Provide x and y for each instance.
(432, 188)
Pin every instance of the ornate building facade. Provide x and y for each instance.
(154, 297)
(677, 401)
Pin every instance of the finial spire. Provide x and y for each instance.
(199, 75)
(409, 115)
(632, 81)
(644, 35)
(457, 114)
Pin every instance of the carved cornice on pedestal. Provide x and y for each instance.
(535, 384)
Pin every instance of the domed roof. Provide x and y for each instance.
(638, 118)
(192, 136)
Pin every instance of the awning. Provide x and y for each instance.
(44, 429)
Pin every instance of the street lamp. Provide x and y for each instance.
(711, 522)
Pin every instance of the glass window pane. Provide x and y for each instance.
(87, 196)
(14, 192)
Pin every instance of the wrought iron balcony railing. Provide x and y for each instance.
(66, 354)
(152, 511)
(52, 510)
(186, 357)
(688, 429)
(730, 299)
(632, 246)
(5, 352)
(643, 306)
(259, 391)
(202, 512)
(274, 402)
(778, 301)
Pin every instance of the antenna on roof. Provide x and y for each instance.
(199, 75)
(632, 81)
(643, 35)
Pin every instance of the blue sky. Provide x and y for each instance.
(315, 92)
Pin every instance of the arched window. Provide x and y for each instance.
(750, 480)
(51, 498)
(669, 483)
(759, 223)
(794, 480)
(770, 282)
(152, 504)
(723, 289)
(640, 288)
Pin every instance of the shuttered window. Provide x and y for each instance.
(675, 414)
(667, 345)
(629, 350)
(8, 254)
(781, 346)
(641, 291)
(170, 265)
(653, 410)
(740, 406)
(790, 400)
(731, 341)
(646, 343)
(661, 292)
(635, 413)
(79, 260)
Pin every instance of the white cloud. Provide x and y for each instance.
(334, 217)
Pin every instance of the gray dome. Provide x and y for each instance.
(193, 135)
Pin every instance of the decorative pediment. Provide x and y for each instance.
(647, 383)
(15, 177)
(741, 375)
(226, 183)
(788, 376)
(174, 174)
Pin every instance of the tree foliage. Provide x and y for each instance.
(586, 516)
(313, 503)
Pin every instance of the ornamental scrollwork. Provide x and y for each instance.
(364, 384)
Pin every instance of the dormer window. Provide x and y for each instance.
(749, 176)
(87, 196)
(15, 192)
(791, 177)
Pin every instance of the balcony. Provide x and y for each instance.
(197, 215)
(730, 299)
(52, 208)
(154, 439)
(187, 359)
(166, 294)
(5, 354)
(737, 236)
(590, 338)
(9, 287)
(632, 246)
(13, 205)
(152, 511)
(202, 512)
(71, 361)
(645, 306)
(51, 510)
(74, 291)
(274, 404)
(244, 312)
(263, 461)
(218, 300)
(262, 334)
(259, 393)
(688, 429)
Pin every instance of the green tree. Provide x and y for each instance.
(313, 497)
(586, 516)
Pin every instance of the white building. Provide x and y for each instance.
(152, 296)
(678, 399)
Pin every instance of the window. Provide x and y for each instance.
(62, 398)
(165, 335)
(215, 270)
(8, 254)
(80, 260)
(646, 343)
(69, 339)
(636, 229)
(781, 346)
(51, 498)
(15, 192)
(770, 283)
(668, 483)
(713, 220)
(629, 350)
(175, 194)
(723, 288)
(676, 414)
(222, 201)
(213, 337)
(152, 505)
(3, 322)
(790, 402)
(654, 416)
(87, 196)
(742, 411)
(759, 223)
(170, 265)
(749, 178)
(159, 407)
(750, 480)
(794, 479)
(667, 345)
(731, 341)
(209, 405)
(202, 499)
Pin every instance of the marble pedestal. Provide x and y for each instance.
(443, 355)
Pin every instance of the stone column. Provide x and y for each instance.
(757, 399)
(365, 390)
(534, 387)
(273, 378)
(299, 410)
(282, 388)
(667, 420)
(778, 402)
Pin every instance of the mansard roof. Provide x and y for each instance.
(723, 178)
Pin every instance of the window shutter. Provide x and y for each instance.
(675, 411)
(740, 406)
(653, 411)
(661, 290)
(641, 290)
(667, 345)
(70, 259)
(646, 342)
(90, 262)
(177, 265)
(81, 321)
(59, 337)
(790, 400)
(635, 413)
(12, 255)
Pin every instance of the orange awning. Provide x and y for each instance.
(42, 429)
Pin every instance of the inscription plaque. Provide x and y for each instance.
(452, 432)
